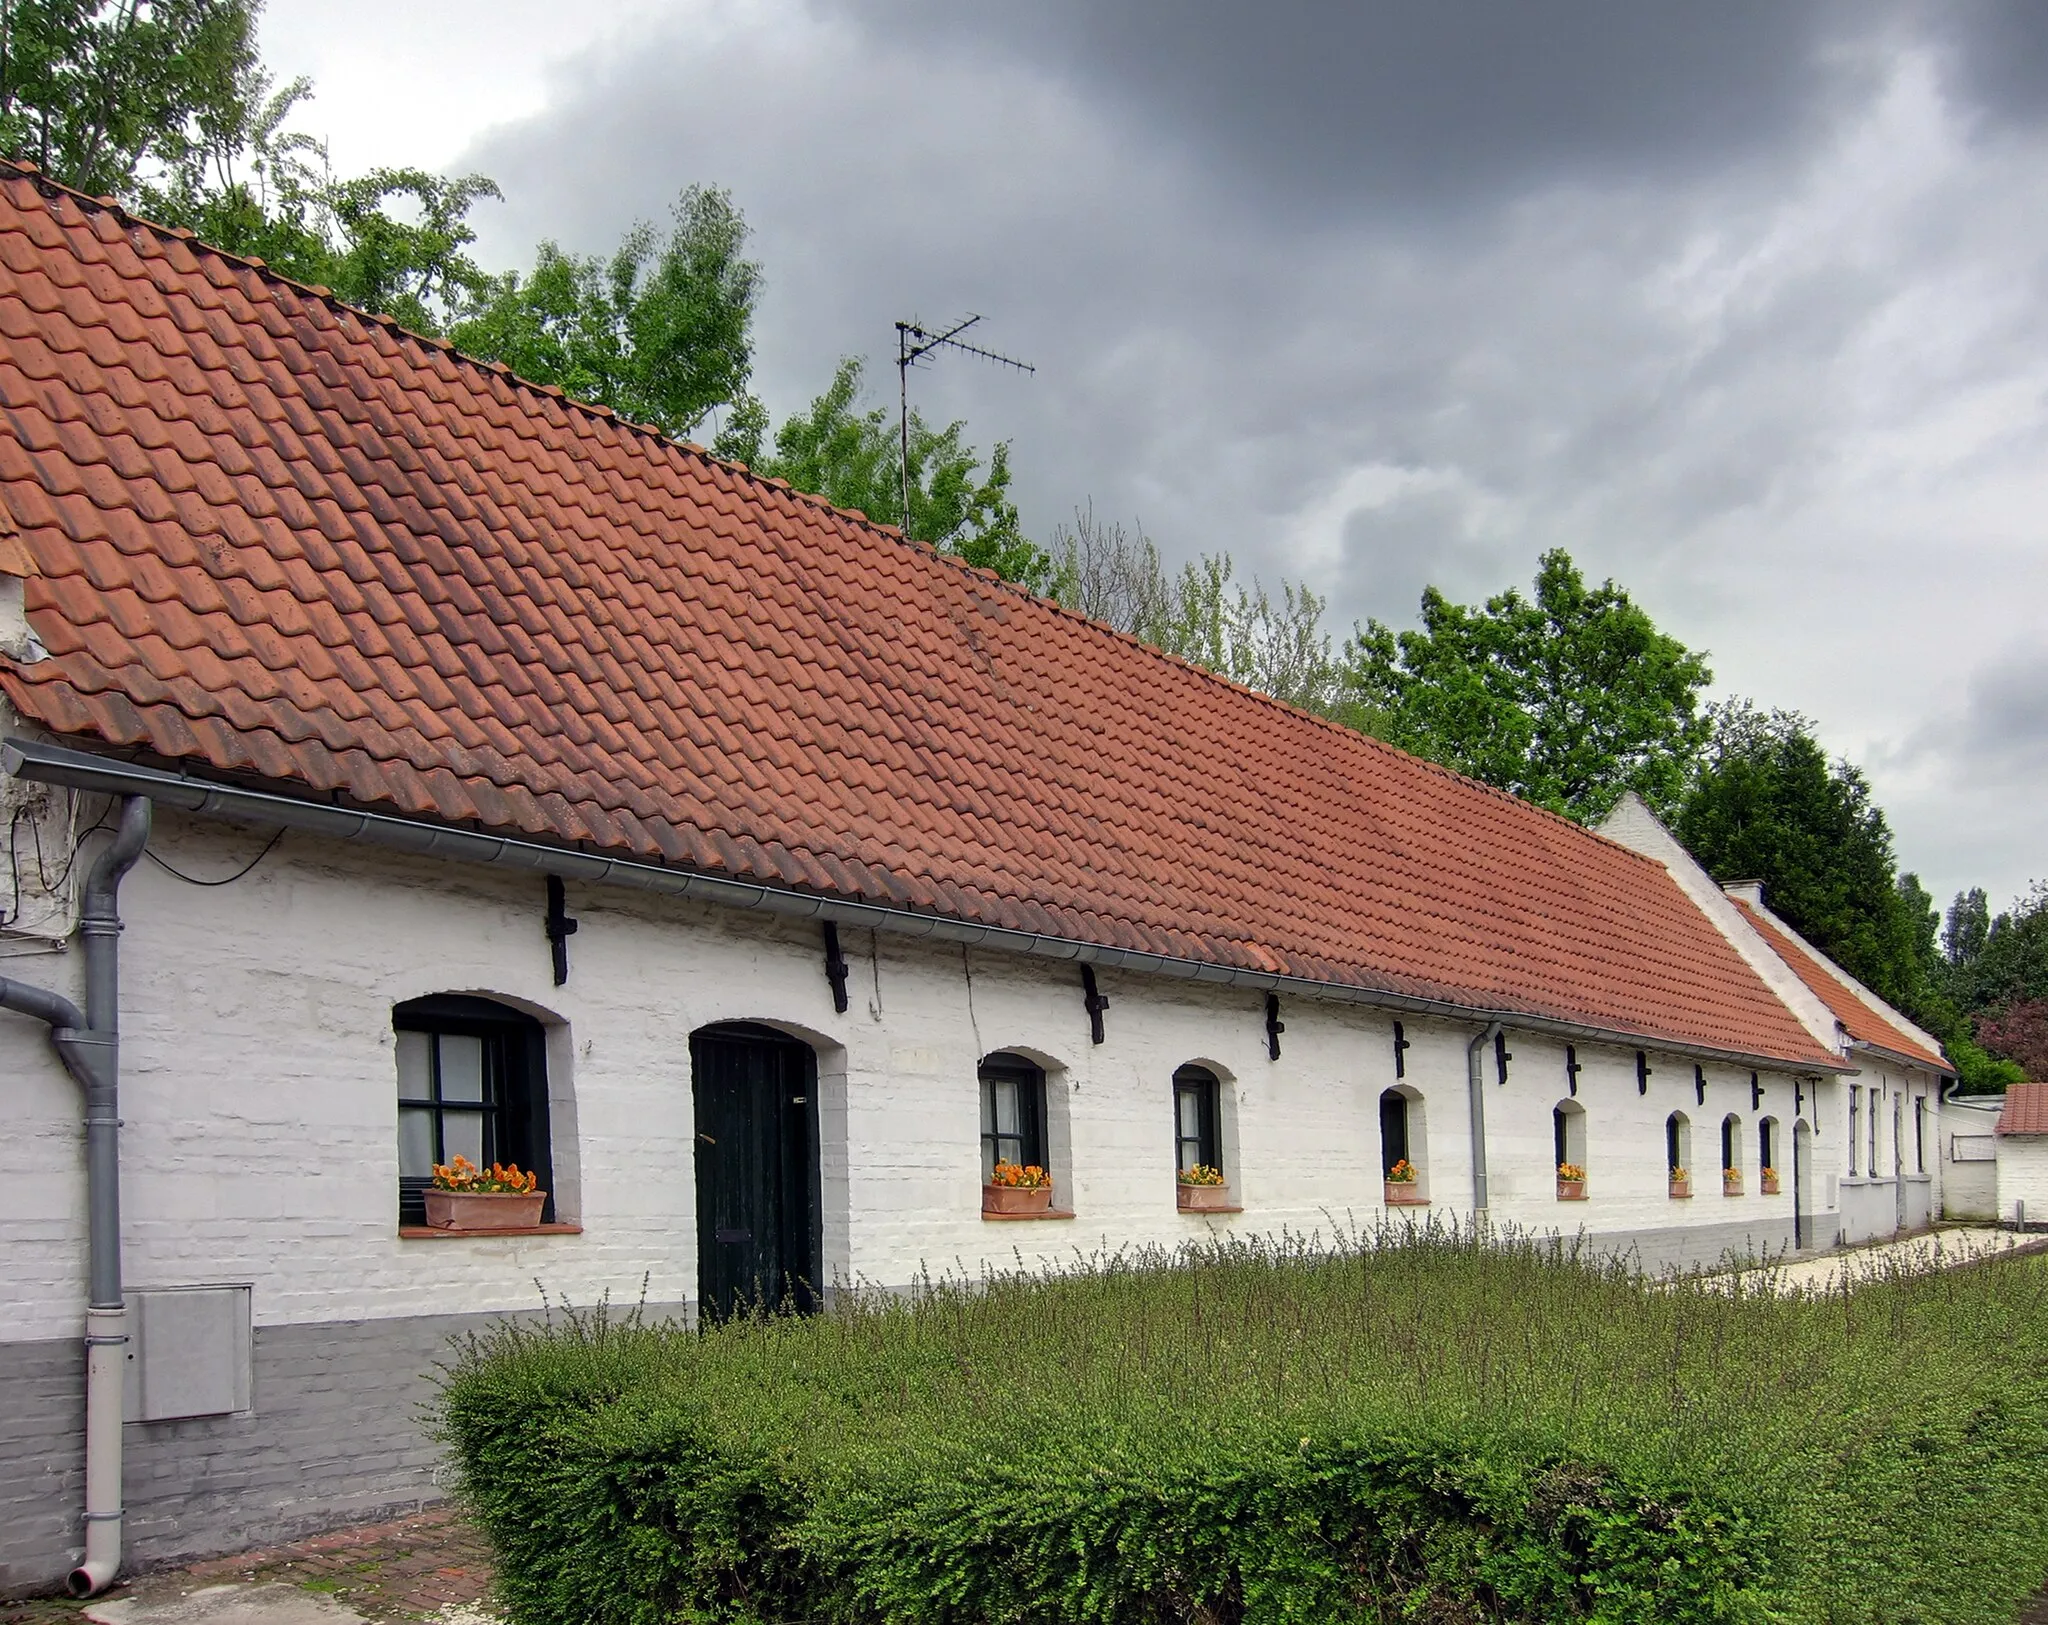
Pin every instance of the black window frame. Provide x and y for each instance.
(515, 1105)
(1199, 1084)
(1766, 1143)
(1029, 1142)
(1675, 1126)
(1396, 1130)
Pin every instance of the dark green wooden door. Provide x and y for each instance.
(758, 1242)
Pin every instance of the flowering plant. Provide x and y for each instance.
(496, 1180)
(1201, 1174)
(1029, 1177)
(1679, 1173)
(1731, 1173)
(1402, 1173)
(1768, 1173)
(1570, 1171)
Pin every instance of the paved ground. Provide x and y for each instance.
(1937, 1249)
(432, 1566)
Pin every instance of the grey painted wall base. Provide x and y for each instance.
(335, 1435)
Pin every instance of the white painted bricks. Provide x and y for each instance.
(259, 1099)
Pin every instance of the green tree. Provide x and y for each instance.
(1769, 806)
(1567, 700)
(661, 331)
(850, 457)
(96, 91)
(248, 184)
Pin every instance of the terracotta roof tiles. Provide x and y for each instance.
(1858, 1020)
(2025, 1110)
(273, 535)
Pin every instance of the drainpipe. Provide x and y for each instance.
(1475, 1087)
(89, 1046)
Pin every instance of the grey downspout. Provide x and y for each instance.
(1475, 1086)
(90, 1048)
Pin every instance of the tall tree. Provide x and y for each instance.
(662, 330)
(850, 455)
(1567, 700)
(96, 91)
(2019, 1034)
(1769, 806)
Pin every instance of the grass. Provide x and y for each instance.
(1434, 1424)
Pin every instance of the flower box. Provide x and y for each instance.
(1571, 1190)
(1017, 1199)
(1769, 1182)
(484, 1210)
(1405, 1193)
(1204, 1198)
(1681, 1186)
(1731, 1184)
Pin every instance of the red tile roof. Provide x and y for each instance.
(277, 537)
(2025, 1110)
(1857, 1018)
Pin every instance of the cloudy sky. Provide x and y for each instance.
(1744, 302)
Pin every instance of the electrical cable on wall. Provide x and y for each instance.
(193, 880)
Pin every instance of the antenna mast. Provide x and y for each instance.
(913, 344)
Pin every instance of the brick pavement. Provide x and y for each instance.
(406, 1570)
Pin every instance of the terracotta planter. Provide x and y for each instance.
(1731, 1187)
(1770, 1184)
(1405, 1193)
(1204, 1198)
(1571, 1190)
(1681, 1188)
(479, 1210)
(1016, 1198)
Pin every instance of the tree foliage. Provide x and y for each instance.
(850, 456)
(2019, 1034)
(661, 331)
(1567, 700)
(1768, 805)
(1203, 613)
(95, 92)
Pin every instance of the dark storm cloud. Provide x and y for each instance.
(1996, 52)
(1422, 101)
(1733, 301)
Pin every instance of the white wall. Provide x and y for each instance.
(1969, 1190)
(2023, 1178)
(259, 1095)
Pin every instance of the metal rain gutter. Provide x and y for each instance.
(62, 765)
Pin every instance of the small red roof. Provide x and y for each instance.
(274, 536)
(1857, 1018)
(2026, 1109)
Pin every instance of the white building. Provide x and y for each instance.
(2023, 1157)
(491, 773)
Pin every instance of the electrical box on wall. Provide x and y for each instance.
(188, 1352)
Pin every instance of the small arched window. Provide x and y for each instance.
(1677, 1144)
(1767, 1147)
(1568, 1137)
(472, 1082)
(1731, 1144)
(1012, 1112)
(1197, 1112)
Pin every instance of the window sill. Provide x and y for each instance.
(1029, 1218)
(1205, 1212)
(430, 1232)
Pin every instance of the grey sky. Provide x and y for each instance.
(1742, 301)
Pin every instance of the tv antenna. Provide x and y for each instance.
(913, 344)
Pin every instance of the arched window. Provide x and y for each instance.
(1012, 1112)
(1767, 1147)
(1568, 1135)
(1394, 1143)
(1731, 1155)
(1678, 1144)
(1197, 1117)
(472, 1082)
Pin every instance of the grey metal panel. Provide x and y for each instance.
(188, 1352)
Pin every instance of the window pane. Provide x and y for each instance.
(1003, 1102)
(415, 1143)
(462, 1133)
(1190, 1104)
(462, 1067)
(415, 1067)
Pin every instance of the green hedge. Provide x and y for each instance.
(1434, 1427)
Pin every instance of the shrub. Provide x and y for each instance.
(1416, 1425)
